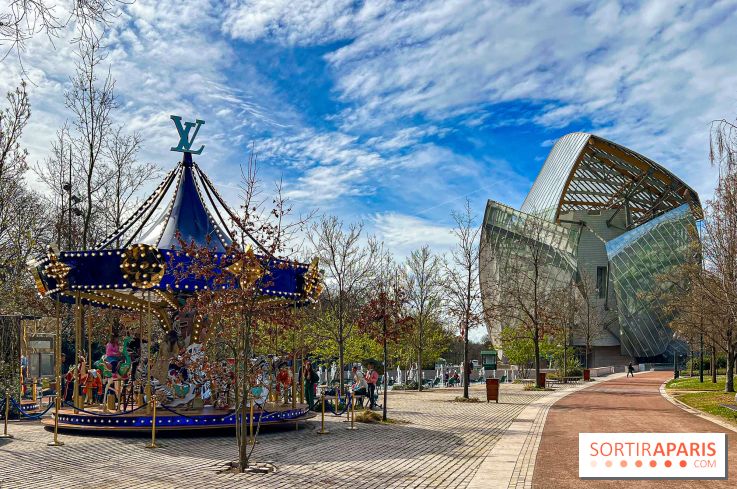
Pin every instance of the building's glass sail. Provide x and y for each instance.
(639, 259)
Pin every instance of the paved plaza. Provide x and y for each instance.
(438, 443)
(529, 440)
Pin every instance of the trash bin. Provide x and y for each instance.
(541, 379)
(587, 374)
(492, 390)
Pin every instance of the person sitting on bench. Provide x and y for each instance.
(360, 386)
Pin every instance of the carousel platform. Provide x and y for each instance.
(177, 419)
(29, 406)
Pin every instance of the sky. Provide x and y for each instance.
(393, 113)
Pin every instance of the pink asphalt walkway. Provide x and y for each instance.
(619, 405)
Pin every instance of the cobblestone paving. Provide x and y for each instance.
(442, 445)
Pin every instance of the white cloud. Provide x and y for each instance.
(405, 233)
(649, 75)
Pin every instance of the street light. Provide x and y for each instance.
(675, 358)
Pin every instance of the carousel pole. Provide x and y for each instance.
(153, 444)
(148, 351)
(89, 339)
(77, 345)
(353, 413)
(323, 431)
(7, 415)
(57, 375)
(251, 436)
(139, 389)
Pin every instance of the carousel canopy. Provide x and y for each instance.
(145, 252)
(184, 207)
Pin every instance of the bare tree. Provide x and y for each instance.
(348, 268)
(383, 316)
(91, 101)
(534, 275)
(462, 277)
(719, 236)
(237, 315)
(21, 20)
(424, 288)
(23, 217)
(125, 177)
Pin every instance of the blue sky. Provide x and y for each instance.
(394, 112)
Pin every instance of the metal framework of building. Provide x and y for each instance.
(619, 211)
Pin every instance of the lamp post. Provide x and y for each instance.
(675, 365)
(701, 358)
(675, 357)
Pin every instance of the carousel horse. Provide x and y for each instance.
(260, 391)
(92, 381)
(112, 379)
(86, 377)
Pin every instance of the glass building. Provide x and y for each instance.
(598, 214)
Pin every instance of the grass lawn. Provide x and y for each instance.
(693, 384)
(709, 402)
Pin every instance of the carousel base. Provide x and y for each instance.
(29, 406)
(184, 420)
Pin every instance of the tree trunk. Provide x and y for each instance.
(386, 375)
(340, 366)
(729, 384)
(419, 366)
(536, 343)
(244, 434)
(713, 364)
(466, 370)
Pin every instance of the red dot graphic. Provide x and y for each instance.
(653, 463)
(623, 463)
(608, 463)
(638, 463)
(668, 463)
(683, 463)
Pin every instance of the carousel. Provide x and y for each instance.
(138, 384)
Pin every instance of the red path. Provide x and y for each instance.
(621, 405)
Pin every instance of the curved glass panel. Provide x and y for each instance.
(545, 193)
(637, 258)
(509, 240)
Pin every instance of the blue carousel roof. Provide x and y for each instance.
(185, 206)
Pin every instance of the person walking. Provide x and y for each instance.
(310, 379)
(630, 370)
(372, 376)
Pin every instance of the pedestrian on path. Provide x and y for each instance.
(310, 379)
(630, 370)
(372, 376)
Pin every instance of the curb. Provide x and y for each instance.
(695, 412)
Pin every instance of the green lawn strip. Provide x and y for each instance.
(693, 384)
(710, 402)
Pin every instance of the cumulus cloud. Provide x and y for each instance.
(404, 233)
